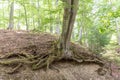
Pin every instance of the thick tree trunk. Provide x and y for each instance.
(70, 11)
(11, 21)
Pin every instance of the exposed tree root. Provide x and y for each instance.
(43, 60)
(14, 69)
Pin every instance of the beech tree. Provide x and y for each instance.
(60, 49)
(70, 11)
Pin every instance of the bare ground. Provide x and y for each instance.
(27, 42)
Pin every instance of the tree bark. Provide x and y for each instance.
(11, 19)
(70, 11)
(26, 20)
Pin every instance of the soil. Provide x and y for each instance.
(41, 43)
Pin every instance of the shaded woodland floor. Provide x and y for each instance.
(34, 43)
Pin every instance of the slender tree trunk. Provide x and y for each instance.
(18, 24)
(26, 20)
(57, 28)
(82, 27)
(50, 17)
(118, 31)
(38, 1)
(57, 31)
(51, 28)
(11, 19)
(70, 11)
(80, 35)
(33, 23)
(3, 15)
(86, 40)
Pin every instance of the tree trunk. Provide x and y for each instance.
(70, 11)
(57, 28)
(11, 21)
(50, 17)
(18, 25)
(80, 35)
(33, 21)
(118, 32)
(27, 26)
(3, 16)
(38, 12)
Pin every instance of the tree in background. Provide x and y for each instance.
(118, 31)
(38, 9)
(11, 18)
(26, 19)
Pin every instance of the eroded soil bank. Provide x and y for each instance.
(34, 43)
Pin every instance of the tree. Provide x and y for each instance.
(26, 20)
(11, 21)
(70, 11)
(38, 5)
(118, 32)
(60, 50)
(23, 4)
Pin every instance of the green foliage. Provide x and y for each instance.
(97, 18)
(116, 13)
(98, 38)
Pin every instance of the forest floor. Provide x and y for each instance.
(33, 43)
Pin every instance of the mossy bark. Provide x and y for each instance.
(70, 11)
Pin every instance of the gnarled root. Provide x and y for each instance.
(34, 61)
(14, 69)
(43, 60)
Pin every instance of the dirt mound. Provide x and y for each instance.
(34, 43)
(18, 41)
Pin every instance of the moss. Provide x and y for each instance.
(44, 60)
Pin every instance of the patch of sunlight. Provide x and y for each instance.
(113, 39)
(23, 27)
